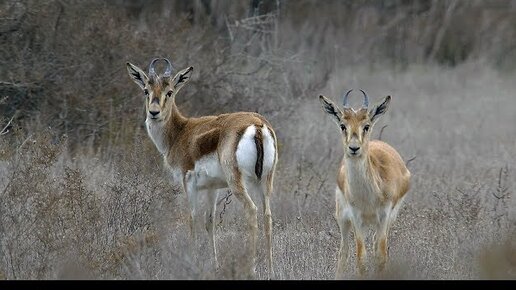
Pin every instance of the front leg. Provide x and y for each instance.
(190, 187)
(380, 241)
(359, 230)
(342, 217)
(361, 251)
(342, 260)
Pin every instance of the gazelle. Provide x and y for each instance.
(236, 151)
(371, 182)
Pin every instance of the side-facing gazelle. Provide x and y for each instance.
(236, 151)
(371, 182)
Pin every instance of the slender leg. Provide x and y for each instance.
(267, 220)
(381, 252)
(342, 217)
(190, 182)
(380, 242)
(235, 181)
(238, 190)
(361, 250)
(344, 225)
(210, 225)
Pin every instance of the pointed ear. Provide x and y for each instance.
(137, 75)
(181, 78)
(380, 109)
(332, 109)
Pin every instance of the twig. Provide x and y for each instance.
(23, 143)
(5, 130)
(18, 85)
(18, 17)
(58, 20)
(501, 190)
(408, 161)
(227, 201)
(442, 30)
(229, 28)
(381, 132)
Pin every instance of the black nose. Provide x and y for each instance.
(354, 149)
(154, 113)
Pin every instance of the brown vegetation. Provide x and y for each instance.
(82, 190)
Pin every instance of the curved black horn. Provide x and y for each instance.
(152, 72)
(345, 101)
(366, 100)
(168, 71)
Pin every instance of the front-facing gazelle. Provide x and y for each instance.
(236, 151)
(371, 182)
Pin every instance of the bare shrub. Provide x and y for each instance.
(50, 217)
(96, 203)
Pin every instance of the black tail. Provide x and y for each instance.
(258, 140)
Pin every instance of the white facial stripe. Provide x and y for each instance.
(157, 135)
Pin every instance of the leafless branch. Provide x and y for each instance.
(501, 190)
(442, 30)
(411, 159)
(229, 28)
(58, 19)
(17, 15)
(5, 130)
(16, 85)
(227, 201)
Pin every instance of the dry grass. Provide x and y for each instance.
(82, 188)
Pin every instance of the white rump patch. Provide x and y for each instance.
(246, 153)
(269, 150)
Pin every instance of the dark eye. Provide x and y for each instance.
(366, 128)
(146, 92)
(169, 93)
(342, 127)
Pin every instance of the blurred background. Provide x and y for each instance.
(82, 188)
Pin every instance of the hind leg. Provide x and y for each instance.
(341, 215)
(210, 225)
(267, 220)
(240, 192)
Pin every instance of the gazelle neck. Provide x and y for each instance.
(357, 165)
(175, 120)
(156, 131)
(360, 172)
(164, 132)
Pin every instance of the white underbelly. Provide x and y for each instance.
(209, 173)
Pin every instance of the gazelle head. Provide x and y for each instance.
(356, 125)
(160, 91)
